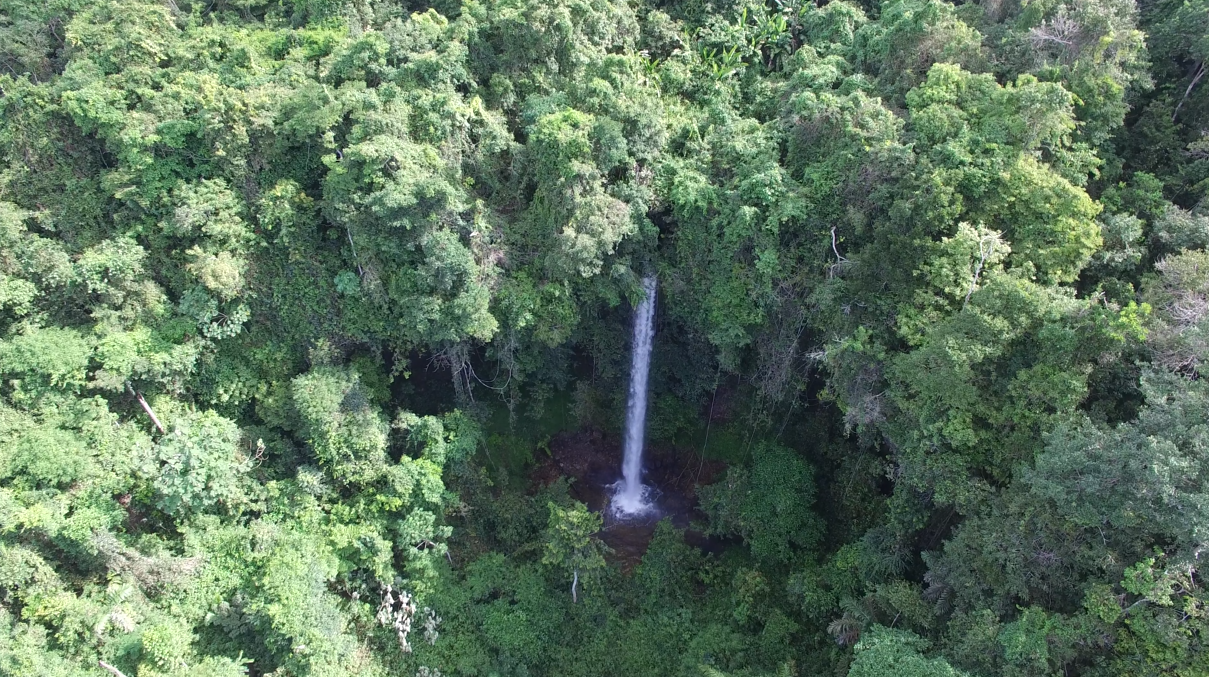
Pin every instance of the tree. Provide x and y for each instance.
(198, 465)
(884, 651)
(289, 291)
(1178, 294)
(571, 544)
(344, 428)
(768, 504)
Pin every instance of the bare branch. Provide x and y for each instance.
(838, 258)
(146, 407)
(111, 669)
(984, 254)
(1200, 73)
(360, 270)
(1061, 31)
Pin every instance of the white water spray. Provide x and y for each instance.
(632, 495)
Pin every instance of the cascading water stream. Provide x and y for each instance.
(632, 495)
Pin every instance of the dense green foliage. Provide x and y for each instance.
(294, 293)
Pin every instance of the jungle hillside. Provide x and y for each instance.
(316, 325)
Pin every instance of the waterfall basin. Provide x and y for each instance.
(632, 501)
(671, 474)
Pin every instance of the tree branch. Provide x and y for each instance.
(838, 258)
(113, 670)
(984, 255)
(1200, 73)
(352, 246)
(1135, 605)
(146, 407)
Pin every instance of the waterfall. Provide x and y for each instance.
(631, 497)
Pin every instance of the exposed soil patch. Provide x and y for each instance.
(593, 460)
